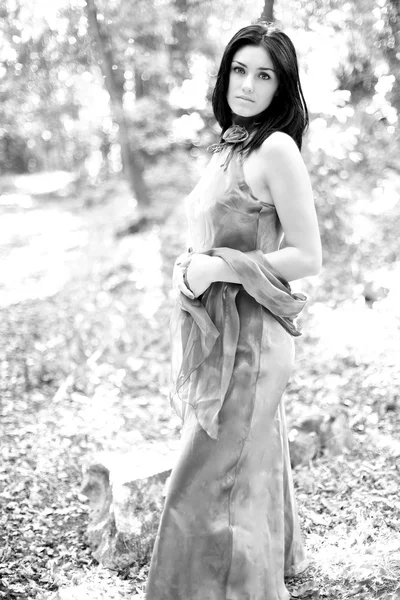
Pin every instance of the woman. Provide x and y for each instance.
(229, 529)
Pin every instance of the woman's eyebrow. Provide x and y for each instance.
(259, 68)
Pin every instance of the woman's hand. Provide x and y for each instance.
(178, 275)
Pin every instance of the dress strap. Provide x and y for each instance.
(239, 172)
(240, 158)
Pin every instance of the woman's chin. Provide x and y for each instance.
(243, 111)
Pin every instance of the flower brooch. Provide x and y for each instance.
(235, 134)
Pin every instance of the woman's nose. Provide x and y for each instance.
(247, 84)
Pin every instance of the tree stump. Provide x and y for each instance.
(126, 496)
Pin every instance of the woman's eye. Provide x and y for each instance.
(238, 69)
(265, 76)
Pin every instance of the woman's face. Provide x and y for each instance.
(252, 81)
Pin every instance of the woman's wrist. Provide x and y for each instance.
(216, 267)
(221, 271)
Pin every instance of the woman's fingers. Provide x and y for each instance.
(182, 288)
(183, 261)
(179, 283)
(181, 265)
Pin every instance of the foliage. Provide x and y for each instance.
(161, 49)
(51, 74)
(34, 95)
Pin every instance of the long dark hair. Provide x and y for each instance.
(288, 109)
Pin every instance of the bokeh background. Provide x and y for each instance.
(105, 117)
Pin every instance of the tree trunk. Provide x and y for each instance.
(130, 159)
(268, 11)
(180, 47)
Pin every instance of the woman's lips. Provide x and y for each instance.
(244, 98)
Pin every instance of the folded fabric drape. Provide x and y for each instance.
(205, 331)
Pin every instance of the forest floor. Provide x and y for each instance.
(84, 368)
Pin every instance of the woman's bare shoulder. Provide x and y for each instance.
(280, 160)
(280, 157)
(279, 145)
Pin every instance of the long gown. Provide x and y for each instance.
(229, 528)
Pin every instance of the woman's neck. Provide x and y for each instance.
(247, 122)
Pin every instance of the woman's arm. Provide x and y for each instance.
(286, 177)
